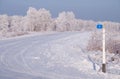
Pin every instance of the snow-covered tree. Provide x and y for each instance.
(112, 38)
(65, 21)
(38, 20)
(44, 20)
(16, 25)
(31, 18)
(4, 25)
(24, 24)
(4, 22)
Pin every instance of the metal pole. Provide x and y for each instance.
(104, 54)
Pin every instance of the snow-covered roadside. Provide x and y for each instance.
(28, 34)
(51, 56)
(113, 66)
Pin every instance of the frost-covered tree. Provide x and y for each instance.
(4, 22)
(32, 14)
(78, 25)
(65, 21)
(112, 38)
(95, 42)
(4, 25)
(38, 20)
(24, 24)
(16, 25)
(44, 20)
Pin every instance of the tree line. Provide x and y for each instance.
(41, 20)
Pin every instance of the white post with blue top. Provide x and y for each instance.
(100, 26)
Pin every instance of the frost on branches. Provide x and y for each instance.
(112, 38)
(40, 20)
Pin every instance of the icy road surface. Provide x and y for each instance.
(48, 56)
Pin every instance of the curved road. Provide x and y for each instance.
(51, 56)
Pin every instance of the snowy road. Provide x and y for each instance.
(50, 56)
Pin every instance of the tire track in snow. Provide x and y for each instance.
(9, 57)
(8, 63)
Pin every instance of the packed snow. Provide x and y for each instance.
(60, 55)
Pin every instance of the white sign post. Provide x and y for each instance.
(99, 26)
(104, 54)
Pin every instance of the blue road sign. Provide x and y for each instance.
(99, 26)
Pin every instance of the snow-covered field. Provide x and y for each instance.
(60, 55)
